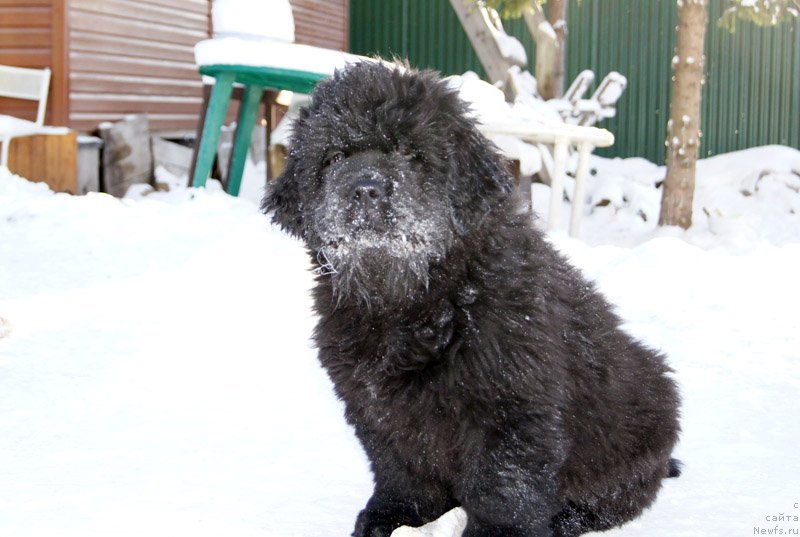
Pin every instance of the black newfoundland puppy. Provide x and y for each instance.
(477, 366)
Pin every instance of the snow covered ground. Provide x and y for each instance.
(156, 376)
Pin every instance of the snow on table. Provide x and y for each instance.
(253, 18)
(272, 53)
(156, 375)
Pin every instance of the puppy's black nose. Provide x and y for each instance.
(367, 192)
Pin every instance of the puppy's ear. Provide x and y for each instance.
(480, 179)
(282, 199)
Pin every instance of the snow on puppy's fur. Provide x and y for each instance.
(478, 368)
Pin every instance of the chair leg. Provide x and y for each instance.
(215, 115)
(244, 131)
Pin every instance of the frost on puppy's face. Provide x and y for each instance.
(377, 181)
(379, 220)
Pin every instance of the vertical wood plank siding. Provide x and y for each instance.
(752, 91)
(135, 56)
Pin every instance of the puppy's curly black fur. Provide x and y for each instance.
(477, 366)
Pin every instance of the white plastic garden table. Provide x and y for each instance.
(561, 137)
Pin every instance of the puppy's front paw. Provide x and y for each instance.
(374, 524)
(498, 531)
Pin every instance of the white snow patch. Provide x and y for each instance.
(272, 53)
(253, 18)
(511, 49)
(449, 524)
(528, 155)
(158, 376)
(546, 28)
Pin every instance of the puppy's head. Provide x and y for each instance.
(384, 175)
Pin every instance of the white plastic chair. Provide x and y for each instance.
(566, 104)
(602, 104)
(28, 84)
(554, 138)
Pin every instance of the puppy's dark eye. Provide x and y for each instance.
(333, 158)
(407, 150)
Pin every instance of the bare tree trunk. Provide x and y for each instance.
(546, 43)
(491, 55)
(683, 128)
(553, 84)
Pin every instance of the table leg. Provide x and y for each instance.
(270, 101)
(584, 149)
(557, 183)
(200, 126)
(248, 114)
(215, 115)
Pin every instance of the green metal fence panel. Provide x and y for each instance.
(427, 32)
(752, 94)
(752, 91)
(636, 38)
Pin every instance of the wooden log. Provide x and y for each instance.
(47, 158)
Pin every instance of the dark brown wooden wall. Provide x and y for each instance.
(117, 57)
(322, 23)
